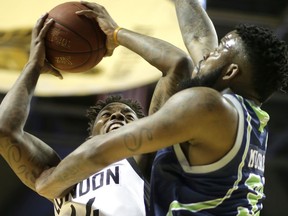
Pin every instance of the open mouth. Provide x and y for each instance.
(114, 126)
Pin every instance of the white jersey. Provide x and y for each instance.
(115, 190)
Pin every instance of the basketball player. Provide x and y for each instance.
(95, 193)
(211, 137)
(119, 189)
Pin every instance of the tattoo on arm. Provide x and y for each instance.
(13, 154)
(134, 142)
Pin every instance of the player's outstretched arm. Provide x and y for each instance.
(187, 115)
(198, 32)
(25, 154)
(173, 62)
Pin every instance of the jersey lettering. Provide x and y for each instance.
(256, 160)
(88, 209)
(97, 181)
(104, 178)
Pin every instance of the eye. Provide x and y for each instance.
(105, 114)
(130, 117)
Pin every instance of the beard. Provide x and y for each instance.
(206, 80)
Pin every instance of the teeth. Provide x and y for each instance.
(114, 126)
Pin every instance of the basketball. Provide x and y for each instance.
(74, 43)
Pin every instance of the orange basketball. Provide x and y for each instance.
(74, 43)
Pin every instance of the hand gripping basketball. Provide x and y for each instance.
(74, 43)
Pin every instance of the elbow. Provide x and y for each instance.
(45, 188)
(7, 132)
(51, 195)
(8, 128)
(4, 131)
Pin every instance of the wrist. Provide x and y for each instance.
(115, 35)
(33, 67)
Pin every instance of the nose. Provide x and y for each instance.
(118, 116)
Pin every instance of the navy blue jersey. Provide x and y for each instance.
(232, 185)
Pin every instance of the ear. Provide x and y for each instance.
(231, 72)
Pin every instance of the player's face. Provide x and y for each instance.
(213, 66)
(112, 117)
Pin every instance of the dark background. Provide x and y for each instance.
(61, 121)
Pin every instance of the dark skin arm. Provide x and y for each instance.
(199, 37)
(172, 75)
(26, 155)
(194, 23)
(198, 32)
(174, 64)
(178, 121)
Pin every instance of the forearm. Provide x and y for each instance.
(173, 62)
(26, 155)
(169, 85)
(75, 167)
(197, 29)
(90, 157)
(157, 52)
(15, 106)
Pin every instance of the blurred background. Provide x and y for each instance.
(58, 109)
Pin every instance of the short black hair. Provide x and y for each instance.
(93, 111)
(269, 59)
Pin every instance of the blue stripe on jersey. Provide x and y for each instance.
(230, 186)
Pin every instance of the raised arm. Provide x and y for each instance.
(173, 62)
(175, 66)
(25, 154)
(197, 29)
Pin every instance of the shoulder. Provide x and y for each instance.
(201, 99)
(203, 109)
(211, 121)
